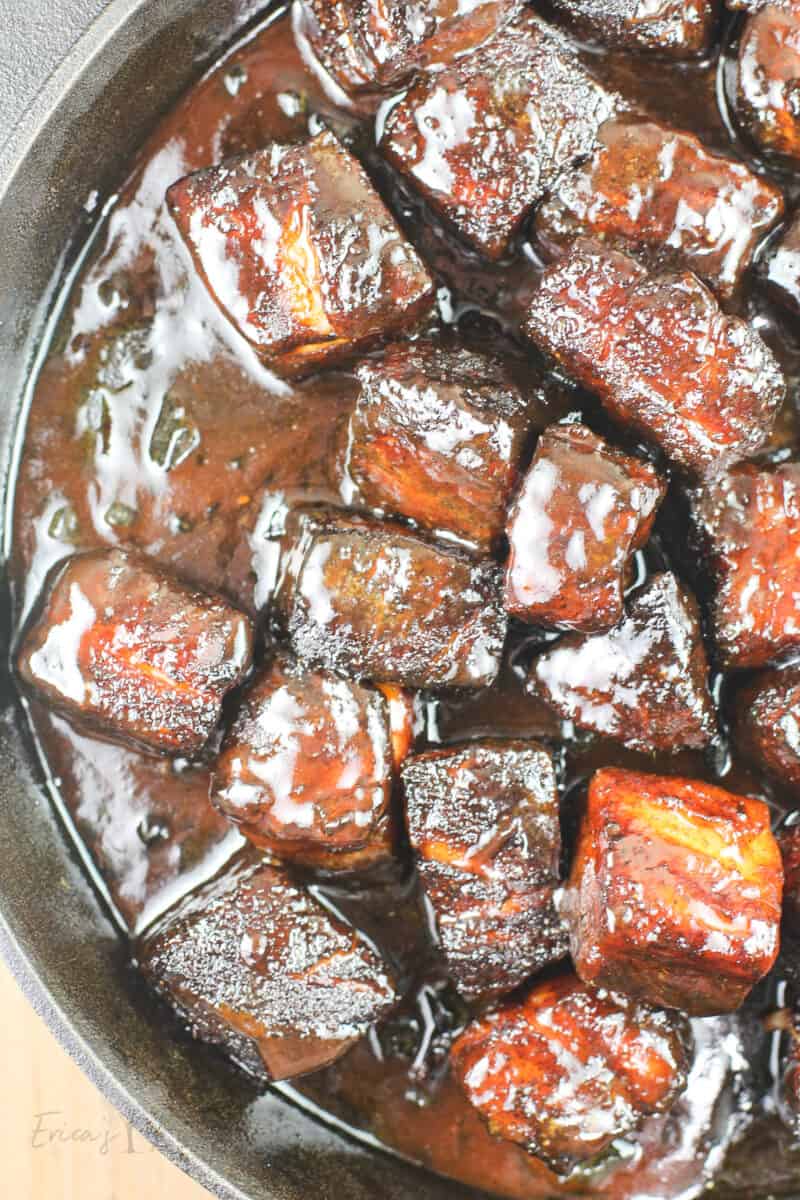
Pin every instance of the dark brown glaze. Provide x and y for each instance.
(124, 648)
(483, 822)
(748, 526)
(374, 601)
(305, 770)
(437, 436)
(678, 28)
(789, 842)
(483, 139)
(645, 683)
(376, 45)
(567, 1070)
(583, 509)
(658, 193)
(300, 253)
(768, 75)
(253, 952)
(675, 892)
(780, 270)
(767, 723)
(661, 355)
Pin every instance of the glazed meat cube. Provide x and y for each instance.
(373, 601)
(767, 723)
(252, 954)
(306, 769)
(124, 648)
(583, 509)
(781, 269)
(567, 1070)
(369, 45)
(678, 28)
(300, 252)
(790, 853)
(483, 821)
(767, 88)
(658, 193)
(644, 684)
(486, 137)
(437, 436)
(660, 354)
(748, 525)
(675, 892)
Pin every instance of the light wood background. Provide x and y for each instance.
(59, 1138)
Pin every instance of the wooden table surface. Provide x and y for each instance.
(59, 1138)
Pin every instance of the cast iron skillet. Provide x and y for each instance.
(82, 82)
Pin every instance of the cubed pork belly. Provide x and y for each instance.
(657, 193)
(483, 821)
(780, 270)
(747, 524)
(583, 509)
(644, 683)
(437, 436)
(300, 252)
(485, 138)
(567, 1069)
(675, 28)
(661, 355)
(374, 45)
(675, 892)
(306, 769)
(767, 723)
(768, 79)
(375, 601)
(125, 649)
(252, 954)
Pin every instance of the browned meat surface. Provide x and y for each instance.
(583, 509)
(566, 1070)
(124, 648)
(369, 45)
(781, 268)
(305, 770)
(300, 252)
(661, 355)
(374, 601)
(659, 194)
(768, 79)
(437, 436)
(678, 28)
(253, 954)
(748, 528)
(675, 892)
(645, 683)
(767, 723)
(485, 138)
(483, 822)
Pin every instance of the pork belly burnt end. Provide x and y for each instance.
(767, 723)
(483, 821)
(659, 194)
(127, 650)
(300, 252)
(768, 70)
(781, 268)
(567, 1070)
(678, 28)
(486, 137)
(660, 354)
(644, 684)
(306, 768)
(675, 892)
(748, 528)
(374, 601)
(253, 955)
(370, 45)
(437, 436)
(583, 509)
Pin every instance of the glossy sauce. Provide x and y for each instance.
(153, 425)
